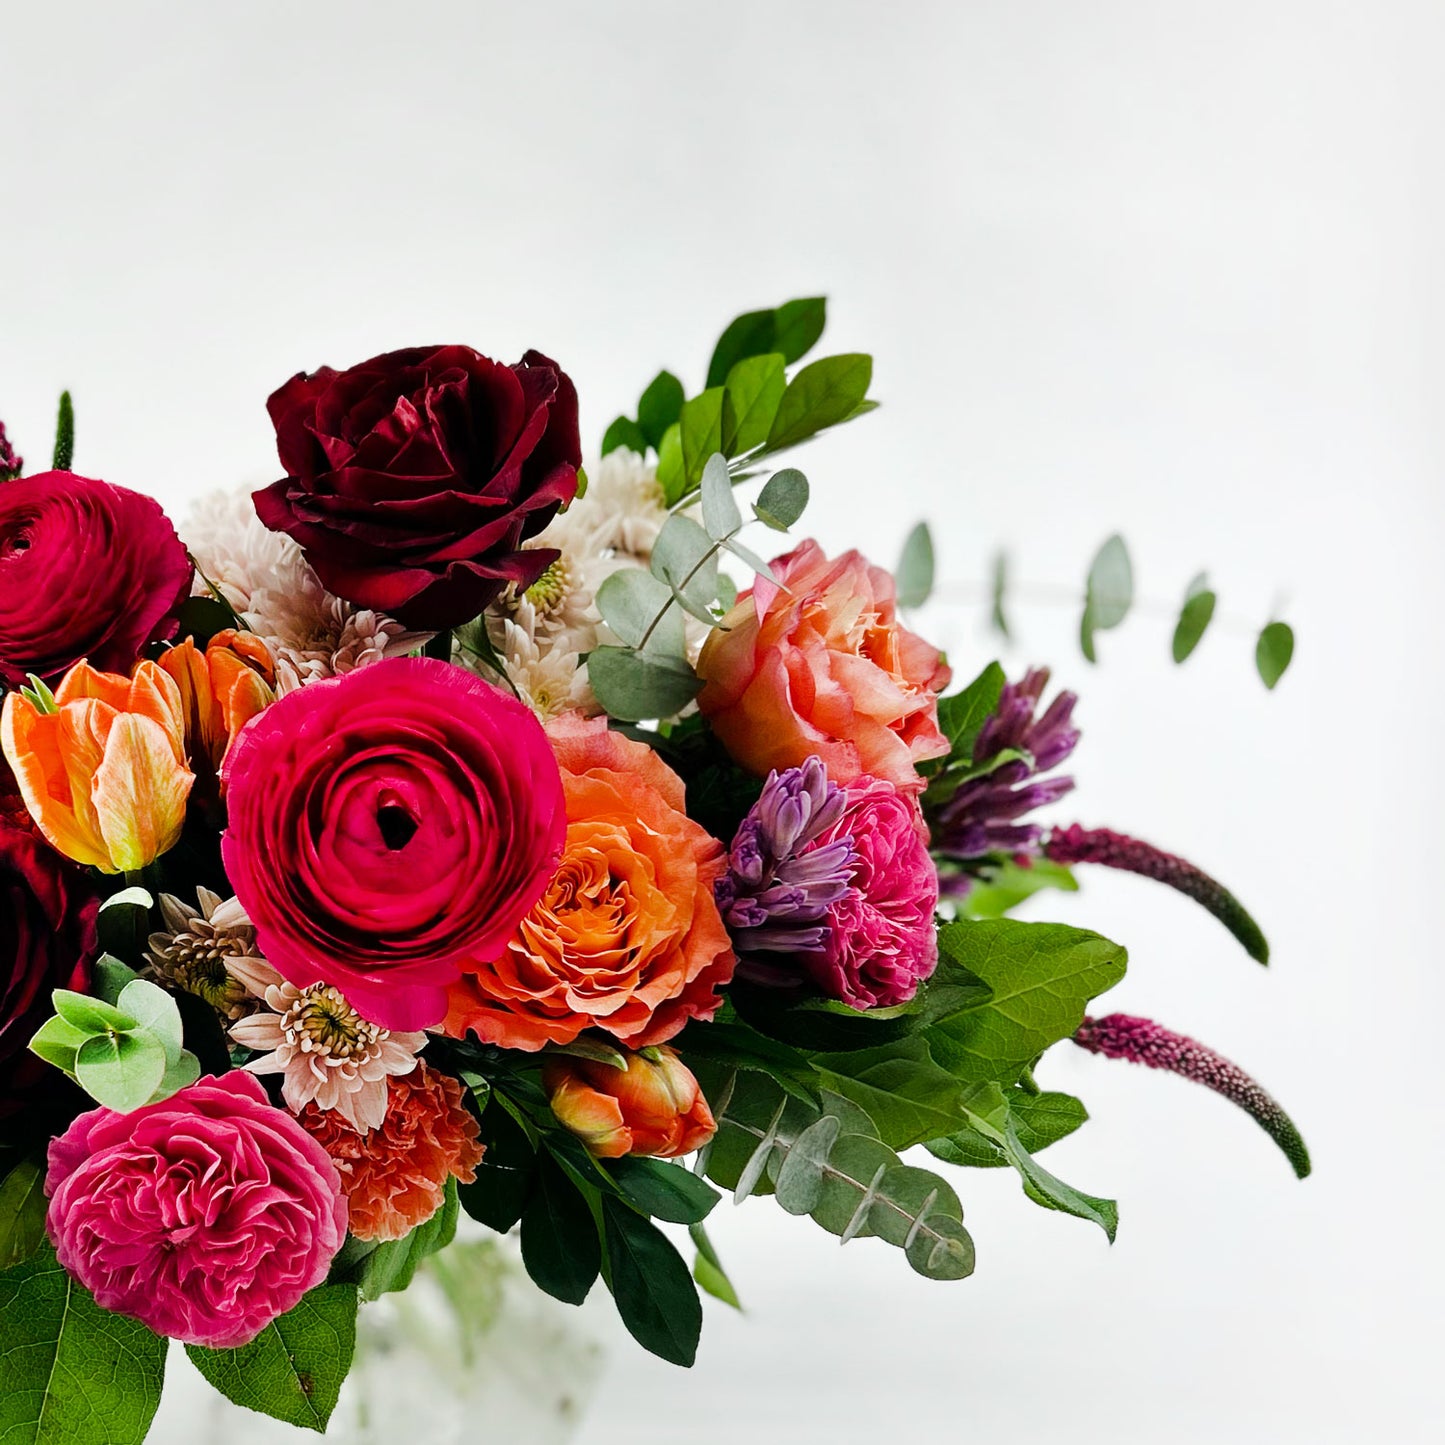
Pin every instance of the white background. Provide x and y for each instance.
(1164, 267)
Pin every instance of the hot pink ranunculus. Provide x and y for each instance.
(205, 1216)
(385, 826)
(881, 942)
(819, 664)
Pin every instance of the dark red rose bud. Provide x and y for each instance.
(87, 570)
(414, 478)
(47, 941)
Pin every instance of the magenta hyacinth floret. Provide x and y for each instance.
(1142, 1041)
(983, 816)
(205, 1216)
(11, 463)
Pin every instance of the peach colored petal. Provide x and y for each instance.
(140, 792)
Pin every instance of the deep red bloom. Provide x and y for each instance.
(87, 570)
(414, 478)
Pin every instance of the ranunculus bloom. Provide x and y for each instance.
(652, 1106)
(388, 825)
(819, 664)
(205, 1216)
(87, 570)
(414, 478)
(396, 1176)
(47, 941)
(104, 775)
(881, 940)
(627, 936)
(222, 689)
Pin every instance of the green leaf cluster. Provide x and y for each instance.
(124, 1054)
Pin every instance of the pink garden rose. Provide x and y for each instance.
(205, 1216)
(388, 825)
(880, 942)
(819, 665)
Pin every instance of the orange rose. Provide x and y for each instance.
(222, 689)
(626, 937)
(652, 1105)
(819, 664)
(101, 764)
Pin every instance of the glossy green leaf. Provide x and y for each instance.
(74, 1374)
(1273, 652)
(962, 715)
(294, 1369)
(1038, 1119)
(659, 406)
(671, 473)
(1109, 593)
(121, 1071)
(914, 574)
(822, 394)
(665, 1191)
(750, 334)
(1042, 976)
(755, 386)
(624, 432)
(655, 1293)
(22, 1211)
(909, 1097)
(701, 432)
(633, 687)
(1194, 617)
(560, 1247)
(506, 1175)
(782, 500)
(1007, 884)
(720, 515)
(797, 326)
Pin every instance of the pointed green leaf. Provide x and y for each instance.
(379, 1269)
(782, 500)
(560, 1247)
(1194, 617)
(797, 325)
(22, 1212)
(671, 474)
(624, 432)
(294, 1369)
(701, 432)
(755, 386)
(822, 394)
(655, 1293)
(750, 334)
(665, 1191)
(708, 1271)
(659, 406)
(915, 568)
(1109, 593)
(998, 615)
(1273, 652)
(110, 976)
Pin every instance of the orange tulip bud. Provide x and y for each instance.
(652, 1105)
(101, 765)
(221, 689)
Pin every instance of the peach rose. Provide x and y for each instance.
(627, 937)
(819, 664)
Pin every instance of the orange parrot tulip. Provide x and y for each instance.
(221, 689)
(101, 764)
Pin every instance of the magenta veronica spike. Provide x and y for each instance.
(1142, 1041)
(1076, 844)
(11, 465)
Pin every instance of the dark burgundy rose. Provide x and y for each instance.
(47, 941)
(87, 570)
(414, 478)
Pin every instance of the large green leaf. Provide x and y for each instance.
(559, 1236)
(1038, 1119)
(74, 1374)
(755, 386)
(654, 1290)
(22, 1211)
(1003, 886)
(293, 1370)
(822, 394)
(633, 686)
(909, 1097)
(792, 330)
(1042, 976)
(701, 429)
(659, 406)
(505, 1176)
(663, 1190)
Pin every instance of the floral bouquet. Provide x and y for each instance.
(442, 830)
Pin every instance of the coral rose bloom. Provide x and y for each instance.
(820, 665)
(627, 937)
(205, 1216)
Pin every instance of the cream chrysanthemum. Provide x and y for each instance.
(623, 509)
(326, 1052)
(548, 678)
(233, 549)
(195, 950)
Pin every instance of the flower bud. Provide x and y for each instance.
(221, 689)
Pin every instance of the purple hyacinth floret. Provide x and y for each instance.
(983, 815)
(772, 900)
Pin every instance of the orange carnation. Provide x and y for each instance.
(395, 1177)
(626, 937)
(818, 663)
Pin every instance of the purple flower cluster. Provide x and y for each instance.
(776, 896)
(982, 817)
(11, 465)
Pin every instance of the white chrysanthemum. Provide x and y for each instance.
(558, 610)
(623, 510)
(233, 548)
(549, 679)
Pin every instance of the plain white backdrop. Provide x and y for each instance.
(1145, 265)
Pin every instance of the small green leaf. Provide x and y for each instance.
(671, 474)
(782, 500)
(631, 600)
(821, 395)
(659, 406)
(962, 715)
(745, 554)
(155, 1011)
(707, 1270)
(22, 1212)
(720, 515)
(799, 1185)
(1194, 617)
(998, 616)
(915, 568)
(122, 924)
(633, 687)
(750, 334)
(122, 1071)
(655, 1293)
(89, 1014)
(505, 1176)
(624, 432)
(1109, 593)
(665, 1191)
(755, 386)
(1274, 652)
(110, 976)
(560, 1247)
(200, 619)
(180, 1074)
(74, 1373)
(64, 434)
(592, 1049)
(701, 432)
(797, 325)
(943, 1251)
(1038, 1119)
(294, 1369)
(58, 1042)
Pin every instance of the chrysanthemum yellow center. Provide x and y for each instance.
(333, 1027)
(550, 590)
